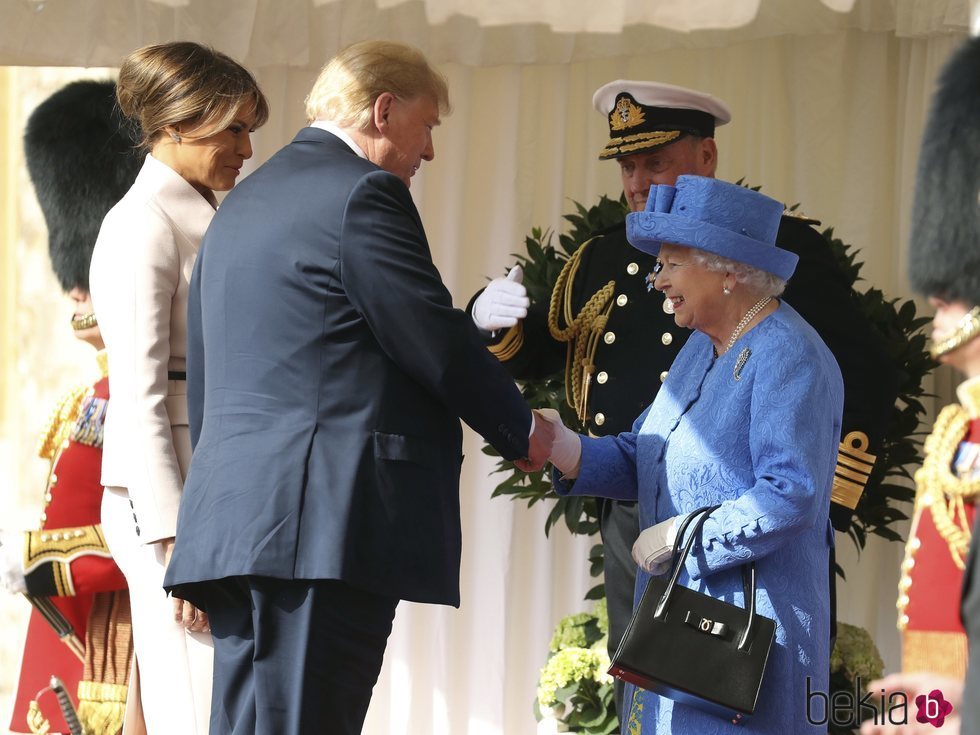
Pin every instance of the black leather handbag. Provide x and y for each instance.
(693, 648)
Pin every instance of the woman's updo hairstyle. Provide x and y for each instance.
(186, 83)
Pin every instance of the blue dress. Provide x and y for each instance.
(757, 431)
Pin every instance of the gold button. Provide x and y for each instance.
(54, 479)
(47, 497)
(632, 269)
(667, 338)
(663, 376)
(609, 338)
(600, 419)
(668, 306)
(602, 377)
(621, 300)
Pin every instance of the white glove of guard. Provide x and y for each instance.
(11, 566)
(651, 552)
(503, 302)
(566, 452)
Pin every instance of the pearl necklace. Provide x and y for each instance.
(749, 316)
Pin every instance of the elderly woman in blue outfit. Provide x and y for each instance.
(749, 418)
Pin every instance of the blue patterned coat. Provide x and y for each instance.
(755, 430)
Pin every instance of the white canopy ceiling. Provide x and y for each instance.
(473, 32)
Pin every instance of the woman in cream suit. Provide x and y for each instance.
(196, 108)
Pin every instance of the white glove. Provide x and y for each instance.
(566, 452)
(11, 566)
(503, 302)
(652, 549)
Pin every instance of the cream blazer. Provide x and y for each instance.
(140, 272)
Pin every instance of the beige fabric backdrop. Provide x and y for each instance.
(831, 120)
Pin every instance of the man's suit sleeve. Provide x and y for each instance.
(388, 275)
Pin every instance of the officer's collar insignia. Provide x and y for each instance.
(626, 114)
(794, 213)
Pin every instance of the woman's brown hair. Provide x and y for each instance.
(184, 82)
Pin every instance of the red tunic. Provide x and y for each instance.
(67, 555)
(933, 638)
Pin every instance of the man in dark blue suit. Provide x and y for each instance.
(327, 373)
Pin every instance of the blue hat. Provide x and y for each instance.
(711, 215)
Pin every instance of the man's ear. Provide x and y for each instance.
(707, 157)
(382, 109)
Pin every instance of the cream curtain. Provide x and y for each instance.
(831, 120)
(303, 33)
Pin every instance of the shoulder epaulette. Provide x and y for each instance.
(800, 217)
(62, 421)
(854, 466)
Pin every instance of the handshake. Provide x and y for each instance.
(551, 440)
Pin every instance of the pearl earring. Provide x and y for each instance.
(726, 290)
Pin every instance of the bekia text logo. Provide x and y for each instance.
(933, 708)
(848, 709)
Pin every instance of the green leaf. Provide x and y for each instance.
(596, 593)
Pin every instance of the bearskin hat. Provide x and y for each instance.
(944, 258)
(82, 156)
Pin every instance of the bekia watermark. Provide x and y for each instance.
(848, 709)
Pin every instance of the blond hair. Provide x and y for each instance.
(186, 83)
(350, 83)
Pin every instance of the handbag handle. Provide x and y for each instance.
(697, 518)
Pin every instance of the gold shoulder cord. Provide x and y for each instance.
(582, 331)
(940, 488)
(61, 422)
